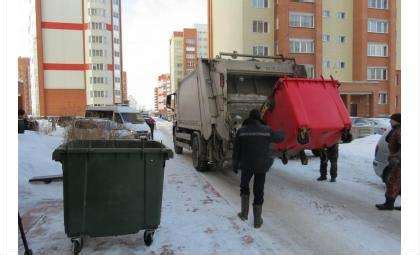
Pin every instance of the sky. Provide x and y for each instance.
(147, 26)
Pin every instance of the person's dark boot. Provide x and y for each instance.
(333, 179)
(397, 208)
(243, 215)
(388, 205)
(258, 220)
(322, 178)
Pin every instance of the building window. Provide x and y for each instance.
(301, 20)
(116, 54)
(190, 41)
(341, 15)
(97, 80)
(96, 26)
(117, 67)
(116, 15)
(116, 40)
(97, 39)
(341, 39)
(377, 26)
(325, 38)
(383, 98)
(341, 64)
(310, 71)
(260, 3)
(378, 4)
(377, 49)
(97, 67)
(259, 26)
(117, 2)
(190, 56)
(117, 79)
(96, 53)
(96, 12)
(377, 73)
(260, 50)
(326, 13)
(301, 46)
(326, 64)
(116, 28)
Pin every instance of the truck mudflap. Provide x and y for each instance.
(310, 112)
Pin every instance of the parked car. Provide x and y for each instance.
(380, 125)
(124, 116)
(96, 128)
(361, 127)
(381, 157)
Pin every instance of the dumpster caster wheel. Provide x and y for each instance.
(148, 237)
(77, 245)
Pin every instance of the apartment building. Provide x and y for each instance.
(185, 47)
(124, 89)
(162, 89)
(78, 55)
(245, 26)
(24, 85)
(355, 41)
(176, 58)
(202, 44)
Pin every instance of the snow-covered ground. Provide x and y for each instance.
(301, 215)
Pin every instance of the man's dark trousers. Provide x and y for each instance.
(259, 181)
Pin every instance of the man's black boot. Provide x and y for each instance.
(388, 205)
(322, 178)
(333, 179)
(258, 220)
(243, 215)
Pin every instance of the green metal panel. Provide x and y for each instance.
(112, 187)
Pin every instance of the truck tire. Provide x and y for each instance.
(199, 153)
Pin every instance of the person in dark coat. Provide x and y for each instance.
(251, 154)
(393, 185)
(151, 123)
(325, 155)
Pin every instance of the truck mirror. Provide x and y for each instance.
(169, 101)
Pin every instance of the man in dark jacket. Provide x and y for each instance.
(251, 154)
(151, 123)
(325, 155)
(393, 185)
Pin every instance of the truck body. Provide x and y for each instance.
(212, 102)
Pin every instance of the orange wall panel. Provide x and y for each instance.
(65, 102)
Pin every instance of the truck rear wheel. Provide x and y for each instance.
(199, 153)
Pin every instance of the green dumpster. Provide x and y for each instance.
(111, 187)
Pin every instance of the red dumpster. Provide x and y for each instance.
(309, 111)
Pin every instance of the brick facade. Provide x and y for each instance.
(24, 83)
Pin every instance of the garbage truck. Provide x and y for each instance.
(212, 101)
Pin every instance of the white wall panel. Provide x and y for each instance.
(67, 11)
(64, 79)
(63, 46)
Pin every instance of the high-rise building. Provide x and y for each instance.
(24, 83)
(355, 41)
(202, 44)
(124, 88)
(243, 26)
(185, 48)
(176, 58)
(162, 89)
(79, 55)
